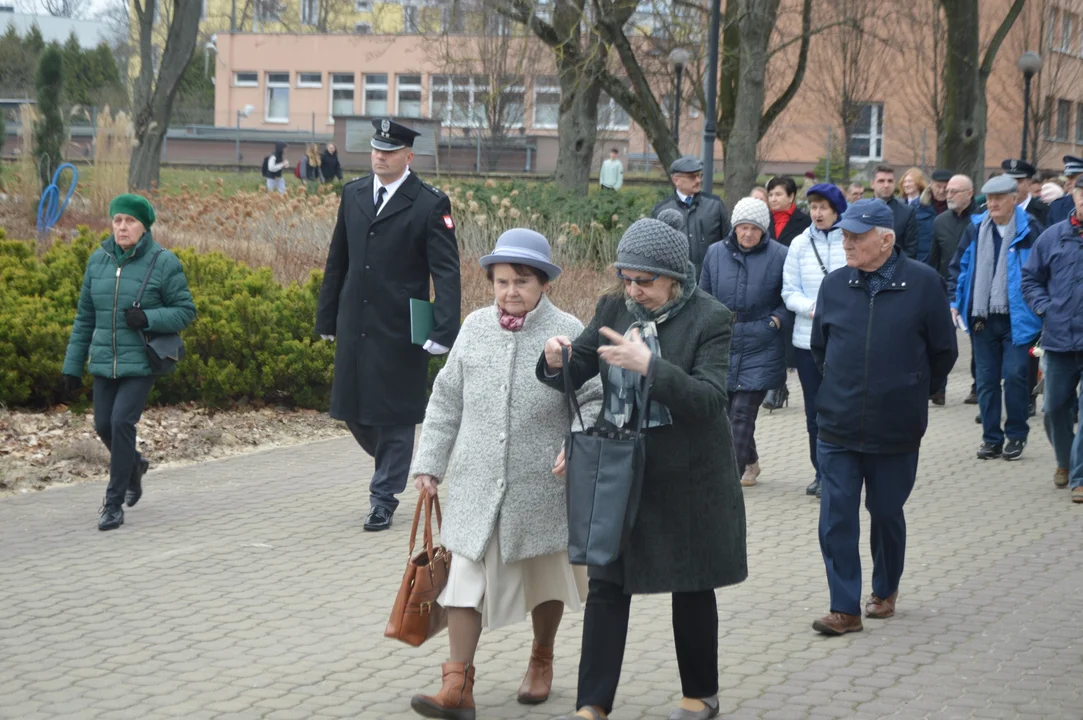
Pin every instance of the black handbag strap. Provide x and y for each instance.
(146, 278)
(573, 401)
(812, 242)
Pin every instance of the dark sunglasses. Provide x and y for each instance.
(641, 282)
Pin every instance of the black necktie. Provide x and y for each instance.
(380, 198)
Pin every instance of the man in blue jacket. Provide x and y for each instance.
(1052, 284)
(1062, 207)
(985, 282)
(883, 336)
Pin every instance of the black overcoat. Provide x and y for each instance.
(689, 533)
(374, 266)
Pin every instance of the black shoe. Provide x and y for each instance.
(135, 485)
(938, 398)
(1033, 409)
(813, 488)
(111, 518)
(819, 490)
(379, 519)
(977, 419)
(1013, 450)
(988, 451)
(776, 399)
(972, 398)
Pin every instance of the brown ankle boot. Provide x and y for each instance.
(539, 676)
(455, 701)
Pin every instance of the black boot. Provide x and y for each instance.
(111, 518)
(776, 399)
(135, 485)
(813, 488)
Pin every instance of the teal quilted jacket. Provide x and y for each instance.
(110, 284)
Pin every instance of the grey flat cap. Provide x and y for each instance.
(686, 164)
(1000, 185)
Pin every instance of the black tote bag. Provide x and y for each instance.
(604, 472)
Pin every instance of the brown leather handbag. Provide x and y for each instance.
(415, 616)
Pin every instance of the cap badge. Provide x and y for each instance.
(385, 125)
(1014, 165)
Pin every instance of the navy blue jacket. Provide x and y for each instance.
(1059, 210)
(880, 357)
(1053, 286)
(906, 227)
(749, 284)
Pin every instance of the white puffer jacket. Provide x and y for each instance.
(802, 275)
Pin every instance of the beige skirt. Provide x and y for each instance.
(505, 593)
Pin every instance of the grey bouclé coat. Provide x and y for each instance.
(689, 534)
(491, 434)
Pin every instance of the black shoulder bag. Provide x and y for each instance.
(604, 472)
(164, 351)
(812, 242)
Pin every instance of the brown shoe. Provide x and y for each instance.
(837, 623)
(1060, 478)
(1077, 494)
(938, 398)
(455, 701)
(880, 608)
(539, 676)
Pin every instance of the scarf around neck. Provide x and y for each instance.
(511, 323)
(991, 273)
(781, 217)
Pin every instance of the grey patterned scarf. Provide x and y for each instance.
(622, 394)
(991, 286)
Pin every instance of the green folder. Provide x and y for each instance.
(420, 321)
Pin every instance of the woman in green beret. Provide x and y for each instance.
(110, 331)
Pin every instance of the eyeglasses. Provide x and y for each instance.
(644, 282)
(951, 191)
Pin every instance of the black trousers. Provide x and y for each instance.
(605, 631)
(393, 447)
(118, 405)
(744, 407)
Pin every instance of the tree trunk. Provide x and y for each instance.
(154, 97)
(577, 129)
(755, 24)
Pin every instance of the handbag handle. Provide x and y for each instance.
(569, 391)
(646, 382)
(427, 542)
(146, 278)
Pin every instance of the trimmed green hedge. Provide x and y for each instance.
(252, 338)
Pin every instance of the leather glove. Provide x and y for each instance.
(72, 385)
(136, 318)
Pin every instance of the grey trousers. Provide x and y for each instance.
(393, 447)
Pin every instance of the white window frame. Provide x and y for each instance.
(471, 88)
(546, 84)
(401, 87)
(276, 85)
(310, 12)
(367, 86)
(309, 83)
(612, 109)
(1066, 29)
(246, 83)
(876, 139)
(339, 85)
(520, 89)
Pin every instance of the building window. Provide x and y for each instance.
(245, 79)
(453, 19)
(268, 10)
(362, 5)
(411, 19)
(278, 97)
(459, 100)
(611, 116)
(1064, 119)
(309, 80)
(546, 101)
(362, 28)
(511, 106)
(1066, 29)
(1079, 123)
(375, 95)
(408, 96)
(867, 136)
(341, 95)
(310, 12)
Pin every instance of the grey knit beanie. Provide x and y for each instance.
(655, 246)
(751, 211)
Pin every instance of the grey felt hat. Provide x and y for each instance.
(654, 246)
(520, 246)
(1000, 185)
(686, 164)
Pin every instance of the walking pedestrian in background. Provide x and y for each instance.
(1064, 206)
(330, 168)
(911, 185)
(612, 175)
(706, 217)
(906, 226)
(273, 165)
(310, 168)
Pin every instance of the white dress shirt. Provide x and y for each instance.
(390, 187)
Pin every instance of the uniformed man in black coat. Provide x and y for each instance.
(1023, 171)
(1062, 207)
(393, 234)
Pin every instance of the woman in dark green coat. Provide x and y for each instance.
(109, 334)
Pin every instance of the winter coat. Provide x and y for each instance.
(906, 227)
(802, 276)
(706, 222)
(948, 229)
(749, 284)
(1052, 283)
(330, 168)
(309, 171)
(796, 225)
(492, 433)
(689, 534)
(276, 163)
(881, 356)
(1040, 212)
(1059, 210)
(924, 215)
(100, 335)
(376, 263)
(1025, 324)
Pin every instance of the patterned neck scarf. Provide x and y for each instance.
(511, 323)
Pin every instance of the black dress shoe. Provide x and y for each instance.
(776, 399)
(813, 488)
(1033, 409)
(1013, 450)
(379, 519)
(111, 518)
(972, 398)
(988, 451)
(977, 419)
(135, 485)
(938, 398)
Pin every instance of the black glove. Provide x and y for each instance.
(72, 385)
(136, 318)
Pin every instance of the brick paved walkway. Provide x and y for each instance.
(245, 588)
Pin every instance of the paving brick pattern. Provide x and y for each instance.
(245, 588)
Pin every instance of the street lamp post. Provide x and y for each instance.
(710, 126)
(678, 58)
(1030, 63)
(243, 113)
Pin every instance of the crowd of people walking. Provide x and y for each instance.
(708, 311)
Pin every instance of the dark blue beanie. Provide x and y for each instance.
(831, 194)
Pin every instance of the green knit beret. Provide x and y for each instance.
(135, 205)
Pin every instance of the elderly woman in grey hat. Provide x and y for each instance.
(689, 534)
(495, 437)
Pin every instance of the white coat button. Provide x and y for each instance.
(502, 437)
(503, 388)
(500, 482)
